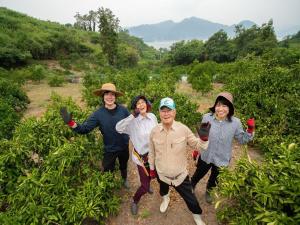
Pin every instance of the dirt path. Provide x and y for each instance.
(177, 213)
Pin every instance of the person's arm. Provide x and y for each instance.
(123, 126)
(242, 136)
(85, 128)
(151, 155)
(196, 142)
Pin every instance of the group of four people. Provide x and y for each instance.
(159, 150)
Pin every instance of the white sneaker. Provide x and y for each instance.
(165, 203)
(198, 220)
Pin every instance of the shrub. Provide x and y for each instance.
(38, 73)
(56, 81)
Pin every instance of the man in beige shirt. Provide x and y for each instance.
(167, 156)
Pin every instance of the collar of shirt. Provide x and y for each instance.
(215, 118)
(140, 117)
(173, 127)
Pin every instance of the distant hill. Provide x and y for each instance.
(190, 28)
(194, 28)
(23, 38)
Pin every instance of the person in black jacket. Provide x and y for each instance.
(106, 118)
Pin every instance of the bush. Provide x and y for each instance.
(262, 194)
(54, 177)
(13, 101)
(9, 119)
(38, 73)
(56, 81)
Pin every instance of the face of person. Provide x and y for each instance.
(167, 116)
(109, 99)
(221, 111)
(142, 106)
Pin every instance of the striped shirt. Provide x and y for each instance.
(221, 136)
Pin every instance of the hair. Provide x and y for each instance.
(137, 98)
(223, 101)
(105, 92)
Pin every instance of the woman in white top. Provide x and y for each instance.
(138, 126)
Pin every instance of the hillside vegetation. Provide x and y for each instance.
(55, 177)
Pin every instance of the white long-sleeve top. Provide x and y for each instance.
(139, 130)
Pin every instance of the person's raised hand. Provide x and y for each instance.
(67, 117)
(203, 130)
(251, 125)
(136, 112)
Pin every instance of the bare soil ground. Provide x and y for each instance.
(40, 93)
(203, 100)
(149, 214)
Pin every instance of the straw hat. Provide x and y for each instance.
(107, 87)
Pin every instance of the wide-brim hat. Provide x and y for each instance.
(107, 87)
(228, 96)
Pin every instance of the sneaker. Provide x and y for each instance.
(134, 208)
(208, 197)
(165, 203)
(198, 220)
(126, 184)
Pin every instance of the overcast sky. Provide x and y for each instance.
(285, 13)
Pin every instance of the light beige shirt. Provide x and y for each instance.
(168, 151)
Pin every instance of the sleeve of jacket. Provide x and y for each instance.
(151, 155)
(123, 126)
(240, 135)
(195, 142)
(88, 125)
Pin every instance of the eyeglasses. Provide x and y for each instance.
(165, 111)
(140, 103)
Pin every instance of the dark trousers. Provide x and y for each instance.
(145, 184)
(109, 161)
(186, 192)
(202, 169)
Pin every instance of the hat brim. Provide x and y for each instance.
(100, 92)
(213, 107)
(169, 107)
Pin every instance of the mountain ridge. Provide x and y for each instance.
(192, 28)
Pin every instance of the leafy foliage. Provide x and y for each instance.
(23, 38)
(108, 28)
(262, 194)
(219, 48)
(13, 101)
(271, 97)
(54, 177)
(201, 75)
(182, 53)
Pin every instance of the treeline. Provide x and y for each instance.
(220, 48)
(23, 39)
